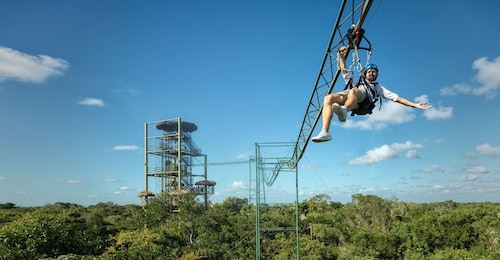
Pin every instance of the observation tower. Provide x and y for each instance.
(173, 164)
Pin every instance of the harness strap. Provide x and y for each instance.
(348, 85)
(365, 104)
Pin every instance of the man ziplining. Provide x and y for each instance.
(360, 99)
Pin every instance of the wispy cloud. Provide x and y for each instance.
(308, 166)
(126, 90)
(470, 177)
(438, 187)
(96, 102)
(412, 154)
(431, 169)
(243, 156)
(373, 189)
(18, 66)
(20, 193)
(385, 152)
(2, 178)
(71, 181)
(123, 190)
(487, 80)
(111, 180)
(125, 148)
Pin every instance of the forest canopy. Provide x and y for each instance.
(368, 227)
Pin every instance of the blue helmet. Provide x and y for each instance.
(370, 66)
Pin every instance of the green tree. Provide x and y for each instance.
(225, 231)
(7, 205)
(47, 232)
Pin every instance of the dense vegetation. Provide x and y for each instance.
(366, 228)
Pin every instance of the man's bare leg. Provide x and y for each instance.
(327, 112)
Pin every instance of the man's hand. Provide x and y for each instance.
(423, 106)
(341, 58)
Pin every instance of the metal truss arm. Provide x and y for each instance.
(328, 73)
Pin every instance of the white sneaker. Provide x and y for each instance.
(322, 137)
(341, 111)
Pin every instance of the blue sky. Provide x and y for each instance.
(78, 80)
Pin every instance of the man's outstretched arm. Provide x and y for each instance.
(407, 102)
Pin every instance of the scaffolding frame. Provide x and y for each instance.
(174, 161)
(265, 166)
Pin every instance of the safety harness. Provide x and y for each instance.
(367, 105)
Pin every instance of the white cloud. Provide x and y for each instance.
(470, 155)
(308, 166)
(384, 152)
(422, 99)
(412, 154)
(2, 178)
(487, 80)
(488, 75)
(372, 190)
(476, 169)
(127, 90)
(438, 187)
(487, 149)
(439, 112)
(125, 148)
(455, 89)
(391, 113)
(71, 181)
(237, 189)
(470, 177)
(97, 102)
(111, 180)
(237, 185)
(432, 168)
(18, 66)
(19, 192)
(439, 141)
(374, 156)
(406, 146)
(122, 190)
(243, 156)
